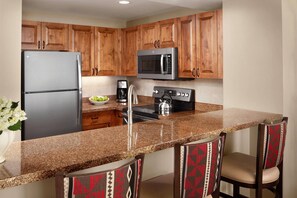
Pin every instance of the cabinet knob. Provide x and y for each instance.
(155, 44)
(159, 43)
(43, 44)
(198, 72)
(193, 72)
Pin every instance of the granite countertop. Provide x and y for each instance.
(38, 159)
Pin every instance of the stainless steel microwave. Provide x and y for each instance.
(158, 64)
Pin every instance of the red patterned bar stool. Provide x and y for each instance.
(122, 182)
(263, 171)
(197, 171)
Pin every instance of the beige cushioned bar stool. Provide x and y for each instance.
(263, 171)
(121, 182)
(197, 168)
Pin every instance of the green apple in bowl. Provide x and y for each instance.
(98, 100)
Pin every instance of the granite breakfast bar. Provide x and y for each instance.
(39, 159)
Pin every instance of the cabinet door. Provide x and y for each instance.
(130, 45)
(82, 40)
(107, 44)
(31, 35)
(186, 47)
(55, 36)
(207, 44)
(168, 33)
(149, 35)
(220, 43)
(95, 120)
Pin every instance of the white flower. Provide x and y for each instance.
(10, 114)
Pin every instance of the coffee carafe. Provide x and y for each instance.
(122, 91)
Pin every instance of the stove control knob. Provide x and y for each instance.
(156, 91)
(187, 95)
(178, 94)
(183, 94)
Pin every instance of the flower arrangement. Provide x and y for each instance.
(11, 115)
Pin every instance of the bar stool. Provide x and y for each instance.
(197, 170)
(263, 171)
(120, 182)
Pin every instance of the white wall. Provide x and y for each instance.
(290, 93)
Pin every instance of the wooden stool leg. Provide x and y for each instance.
(235, 190)
(279, 187)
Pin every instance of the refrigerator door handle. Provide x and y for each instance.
(79, 71)
(79, 110)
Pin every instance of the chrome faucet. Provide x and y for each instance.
(131, 91)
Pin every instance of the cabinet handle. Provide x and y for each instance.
(97, 71)
(155, 44)
(198, 72)
(92, 74)
(159, 44)
(43, 44)
(38, 44)
(193, 72)
(94, 118)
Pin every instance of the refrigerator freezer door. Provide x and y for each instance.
(50, 71)
(51, 113)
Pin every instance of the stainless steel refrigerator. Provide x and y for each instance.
(51, 93)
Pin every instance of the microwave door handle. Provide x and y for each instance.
(166, 66)
(161, 63)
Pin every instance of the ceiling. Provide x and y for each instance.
(112, 10)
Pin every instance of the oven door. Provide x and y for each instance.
(136, 118)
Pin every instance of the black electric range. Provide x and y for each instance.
(182, 100)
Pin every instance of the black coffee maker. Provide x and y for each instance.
(122, 90)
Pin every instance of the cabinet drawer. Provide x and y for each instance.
(96, 119)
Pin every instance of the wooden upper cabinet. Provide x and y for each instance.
(168, 33)
(160, 34)
(149, 35)
(31, 35)
(107, 50)
(130, 45)
(207, 45)
(82, 40)
(55, 36)
(186, 47)
(220, 43)
(44, 36)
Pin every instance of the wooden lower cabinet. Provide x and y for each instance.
(101, 119)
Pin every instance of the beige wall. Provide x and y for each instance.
(168, 15)
(260, 69)
(290, 93)
(37, 15)
(10, 50)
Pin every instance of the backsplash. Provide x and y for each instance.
(100, 85)
(207, 91)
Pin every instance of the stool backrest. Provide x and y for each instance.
(200, 168)
(274, 143)
(120, 182)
